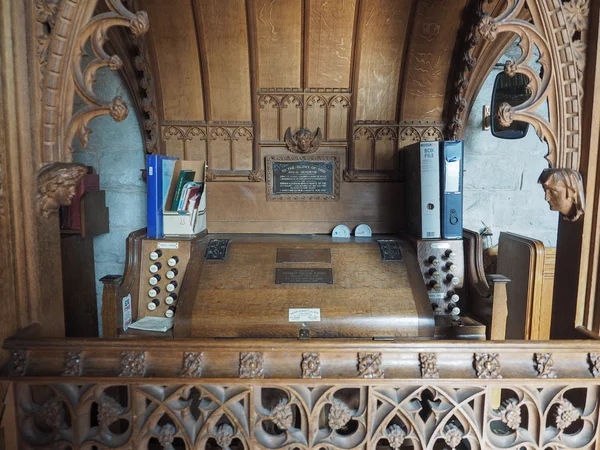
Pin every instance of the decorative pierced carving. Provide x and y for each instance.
(146, 82)
(52, 414)
(224, 436)
(217, 249)
(19, 362)
(251, 365)
(564, 192)
(166, 435)
(133, 364)
(256, 176)
(339, 415)
(57, 185)
(453, 436)
(369, 365)
(303, 141)
(566, 414)
(545, 365)
(46, 12)
(311, 365)
(487, 365)
(281, 415)
(395, 436)
(73, 364)
(594, 361)
(192, 365)
(109, 411)
(429, 367)
(510, 413)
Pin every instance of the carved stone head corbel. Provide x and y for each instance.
(303, 141)
(564, 192)
(57, 185)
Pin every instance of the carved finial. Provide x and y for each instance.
(487, 365)
(545, 365)
(510, 413)
(281, 415)
(395, 436)
(303, 141)
(311, 365)
(192, 365)
(369, 365)
(119, 109)
(140, 24)
(566, 414)
(339, 415)
(429, 365)
(564, 192)
(453, 436)
(251, 365)
(487, 27)
(57, 185)
(505, 114)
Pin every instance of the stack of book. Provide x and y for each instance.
(175, 188)
(434, 189)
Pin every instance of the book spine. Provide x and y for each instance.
(430, 190)
(180, 183)
(154, 197)
(451, 162)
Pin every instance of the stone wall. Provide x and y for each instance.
(116, 152)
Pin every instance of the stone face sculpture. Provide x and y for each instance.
(564, 192)
(57, 185)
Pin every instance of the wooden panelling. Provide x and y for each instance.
(177, 57)
(428, 61)
(279, 42)
(329, 46)
(222, 24)
(382, 31)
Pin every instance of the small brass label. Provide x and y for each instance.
(303, 276)
(304, 255)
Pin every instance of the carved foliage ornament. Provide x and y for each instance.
(251, 365)
(45, 14)
(510, 413)
(303, 141)
(566, 414)
(57, 185)
(339, 415)
(594, 360)
(395, 436)
(487, 365)
(192, 365)
(545, 365)
(453, 436)
(73, 364)
(369, 365)
(311, 365)
(429, 367)
(133, 364)
(281, 415)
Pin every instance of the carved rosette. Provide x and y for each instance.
(429, 367)
(251, 365)
(545, 365)
(224, 436)
(339, 415)
(52, 414)
(133, 364)
(594, 360)
(576, 14)
(192, 365)
(566, 414)
(452, 436)
(72, 364)
(510, 413)
(395, 436)
(281, 415)
(20, 360)
(369, 365)
(487, 365)
(109, 411)
(256, 176)
(487, 27)
(311, 365)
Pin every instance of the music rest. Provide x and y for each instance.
(286, 286)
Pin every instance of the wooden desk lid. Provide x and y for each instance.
(334, 289)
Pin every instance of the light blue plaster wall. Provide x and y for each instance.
(500, 178)
(116, 152)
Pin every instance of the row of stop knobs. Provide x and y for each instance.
(442, 272)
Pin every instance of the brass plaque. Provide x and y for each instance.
(304, 255)
(303, 276)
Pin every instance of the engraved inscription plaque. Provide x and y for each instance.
(304, 255)
(303, 178)
(303, 276)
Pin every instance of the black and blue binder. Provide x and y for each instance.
(451, 185)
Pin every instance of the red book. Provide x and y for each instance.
(89, 182)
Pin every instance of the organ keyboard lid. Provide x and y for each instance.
(264, 286)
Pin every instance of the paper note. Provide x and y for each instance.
(150, 323)
(126, 312)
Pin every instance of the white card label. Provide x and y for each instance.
(452, 176)
(304, 315)
(126, 312)
(440, 245)
(169, 245)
